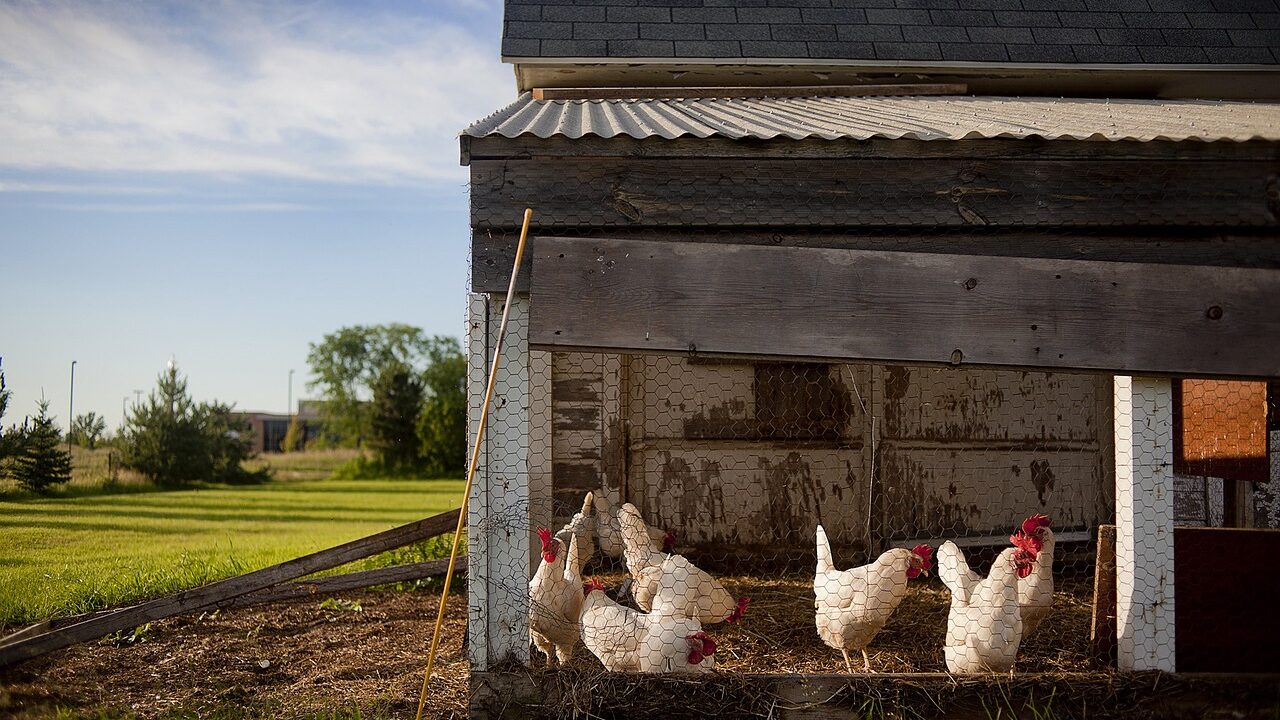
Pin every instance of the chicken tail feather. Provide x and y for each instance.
(825, 563)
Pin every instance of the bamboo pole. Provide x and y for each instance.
(475, 459)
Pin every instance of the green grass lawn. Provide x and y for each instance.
(67, 555)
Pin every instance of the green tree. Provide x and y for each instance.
(40, 459)
(174, 441)
(347, 363)
(87, 429)
(442, 425)
(397, 402)
(293, 436)
(6, 438)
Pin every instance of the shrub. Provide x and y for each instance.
(174, 441)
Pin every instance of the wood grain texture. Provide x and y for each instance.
(492, 253)
(1102, 632)
(835, 304)
(747, 192)
(497, 147)
(223, 592)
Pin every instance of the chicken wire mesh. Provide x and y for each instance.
(689, 514)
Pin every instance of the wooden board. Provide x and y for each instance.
(779, 91)
(1226, 596)
(223, 592)
(905, 307)
(728, 192)
(492, 253)
(1102, 632)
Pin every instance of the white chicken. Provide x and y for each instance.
(609, 529)
(628, 641)
(670, 583)
(853, 605)
(1035, 591)
(581, 525)
(555, 597)
(984, 628)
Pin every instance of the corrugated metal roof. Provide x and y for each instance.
(862, 118)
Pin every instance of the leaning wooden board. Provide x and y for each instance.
(224, 592)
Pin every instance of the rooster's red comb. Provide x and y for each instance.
(925, 553)
(545, 535)
(1027, 543)
(1035, 522)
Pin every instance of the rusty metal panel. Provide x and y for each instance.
(1220, 429)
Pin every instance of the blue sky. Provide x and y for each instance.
(226, 182)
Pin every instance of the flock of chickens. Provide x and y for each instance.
(987, 621)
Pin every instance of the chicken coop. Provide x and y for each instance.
(883, 317)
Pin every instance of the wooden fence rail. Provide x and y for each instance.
(54, 635)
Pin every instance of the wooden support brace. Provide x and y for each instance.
(224, 592)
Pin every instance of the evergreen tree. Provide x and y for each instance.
(41, 460)
(174, 441)
(397, 401)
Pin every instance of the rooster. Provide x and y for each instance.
(628, 641)
(555, 597)
(609, 529)
(984, 626)
(1035, 592)
(670, 583)
(853, 605)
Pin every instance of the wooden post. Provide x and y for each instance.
(498, 528)
(1144, 523)
(1103, 632)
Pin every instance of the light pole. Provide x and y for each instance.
(71, 406)
(124, 411)
(289, 412)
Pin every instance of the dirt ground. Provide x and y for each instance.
(362, 654)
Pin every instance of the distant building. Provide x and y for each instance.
(269, 429)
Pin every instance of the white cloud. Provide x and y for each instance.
(308, 92)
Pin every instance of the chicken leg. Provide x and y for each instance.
(847, 663)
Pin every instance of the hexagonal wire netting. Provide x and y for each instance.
(687, 514)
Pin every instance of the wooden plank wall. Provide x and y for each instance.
(704, 458)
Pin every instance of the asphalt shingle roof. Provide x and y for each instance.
(997, 31)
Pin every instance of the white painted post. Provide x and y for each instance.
(498, 512)
(1144, 523)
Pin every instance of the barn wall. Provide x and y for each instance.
(746, 453)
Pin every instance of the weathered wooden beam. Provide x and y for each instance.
(349, 581)
(276, 593)
(1102, 634)
(532, 147)
(697, 298)
(980, 193)
(777, 91)
(492, 253)
(223, 592)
